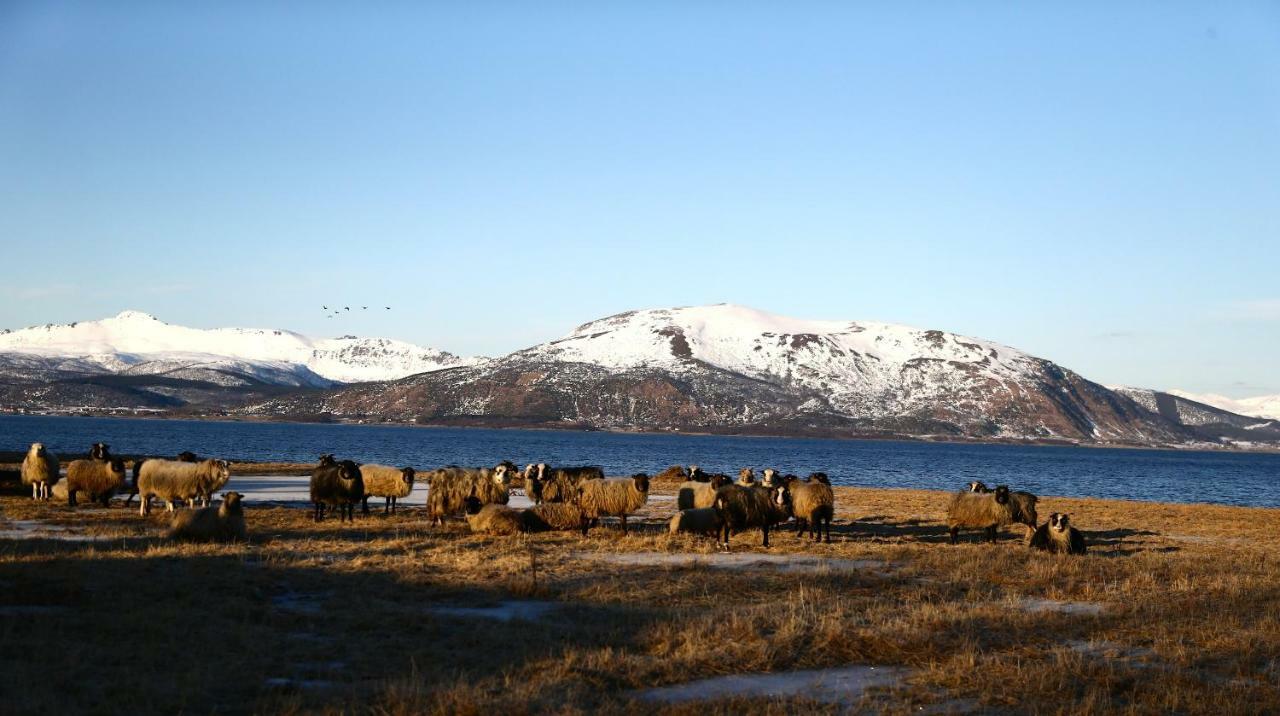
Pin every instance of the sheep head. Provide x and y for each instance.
(407, 474)
(978, 486)
(1002, 495)
(641, 481)
(1059, 522)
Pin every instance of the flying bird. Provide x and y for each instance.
(346, 308)
(364, 308)
(388, 308)
(325, 307)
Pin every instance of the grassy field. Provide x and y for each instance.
(1175, 609)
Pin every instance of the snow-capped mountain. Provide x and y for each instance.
(729, 368)
(135, 343)
(1261, 406)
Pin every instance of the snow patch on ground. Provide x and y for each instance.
(740, 561)
(35, 529)
(1037, 605)
(513, 610)
(842, 685)
(296, 490)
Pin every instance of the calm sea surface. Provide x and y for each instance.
(1174, 476)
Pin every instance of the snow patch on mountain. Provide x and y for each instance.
(1262, 406)
(138, 343)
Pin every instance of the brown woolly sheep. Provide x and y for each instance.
(980, 510)
(96, 478)
(746, 477)
(553, 516)
(1057, 535)
(449, 487)
(40, 471)
(340, 485)
(224, 523)
(616, 496)
(675, 473)
(702, 521)
(174, 481)
(813, 504)
(692, 495)
(561, 483)
(493, 519)
(1023, 506)
(744, 507)
(390, 483)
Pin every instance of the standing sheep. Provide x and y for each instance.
(100, 452)
(340, 485)
(746, 477)
(1023, 506)
(224, 523)
(97, 478)
(40, 471)
(770, 478)
(174, 481)
(692, 494)
(980, 510)
(449, 487)
(813, 503)
(391, 483)
(616, 496)
(561, 483)
(743, 507)
(1057, 535)
(533, 479)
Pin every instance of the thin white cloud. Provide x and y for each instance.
(1266, 309)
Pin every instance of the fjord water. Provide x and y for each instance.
(1233, 478)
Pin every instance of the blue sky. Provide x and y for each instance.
(1096, 183)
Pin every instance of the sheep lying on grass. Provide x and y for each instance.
(390, 483)
(97, 478)
(693, 494)
(174, 481)
(561, 484)
(553, 516)
(702, 521)
(1057, 535)
(616, 496)
(675, 473)
(492, 519)
(746, 507)
(449, 487)
(813, 504)
(224, 523)
(340, 485)
(40, 471)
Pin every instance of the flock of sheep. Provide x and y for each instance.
(565, 498)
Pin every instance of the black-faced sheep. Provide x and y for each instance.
(745, 507)
(187, 456)
(702, 521)
(553, 516)
(1023, 505)
(813, 504)
(492, 519)
(326, 460)
(449, 487)
(340, 485)
(561, 483)
(616, 497)
(980, 510)
(390, 483)
(100, 451)
(174, 481)
(534, 475)
(693, 494)
(97, 478)
(40, 471)
(224, 523)
(1057, 535)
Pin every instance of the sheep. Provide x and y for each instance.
(819, 477)
(692, 494)
(100, 452)
(187, 456)
(40, 471)
(172, 480)
(770, 477)
(742, 507)
(1024, 506)
(617, 496)
(1057, 535)
(99, 478)
(746, 477)
(561, 483)
(813, 504)
(449, 487)
(703, 521)
(675, 473)
(339, 484)
(224, 523)
(696, 474)
(533, 480)
(981, 510)
(492, 519)
(553, 516)
(391, 483)
(327, 460)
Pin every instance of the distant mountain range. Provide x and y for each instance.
(724, 368)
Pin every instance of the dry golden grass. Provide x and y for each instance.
(1189, 616)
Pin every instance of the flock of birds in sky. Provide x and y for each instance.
(331, 312)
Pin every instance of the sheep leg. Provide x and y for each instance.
(766, 535)
(317, 513)
(991, 534)
(828, 519)
(366, 504)
(954, 532)
(624, 524)
(35, 490)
